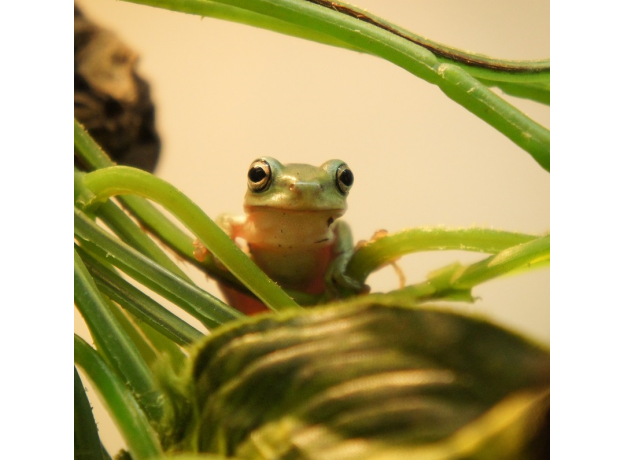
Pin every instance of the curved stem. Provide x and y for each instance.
(87, 444)
(199, 303)
(530, 253)
(452, 79)
(121, 405)
(156, 222)
(119, 180)
(138, 303)
(94, 157)
(459, 280)
(477, 65)
(116, 346)
(456, 281)
(532, 91)
(130, 233)
(384, 250)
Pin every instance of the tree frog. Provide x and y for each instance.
(290, 227)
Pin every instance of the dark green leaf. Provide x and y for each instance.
(113, 342)
(341, 382)
(119, 401)
(87, 445)
(137, 303)
(199, 303)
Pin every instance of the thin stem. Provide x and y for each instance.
(170, 234)
(119, 180)
(181, 243)
(527, 254)
(384, 250)
(169, 351)
(477, 65)
(114, 343)
(143, 346)
(459, 280)
(134, 426)
(203, 306)
(453, 80)
(89, 152)
(138, 303)
(532, 91)
(87, 444)
(481, 101)
(456, 281)
(130, 233)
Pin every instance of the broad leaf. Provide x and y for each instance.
(366, 382)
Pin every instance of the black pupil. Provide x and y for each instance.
(346, 177)
(256, 174)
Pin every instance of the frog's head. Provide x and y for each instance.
(298, 187)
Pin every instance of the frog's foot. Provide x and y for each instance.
(201, 252)
(337, 281)
(399, 272)
(243, 245)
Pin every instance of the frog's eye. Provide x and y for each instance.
(344, 179)
(259, 176)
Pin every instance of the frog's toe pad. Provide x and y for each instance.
(201, 252)
(338, 281)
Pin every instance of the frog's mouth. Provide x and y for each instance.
(334, 213)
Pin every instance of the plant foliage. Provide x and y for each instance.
(367, 377)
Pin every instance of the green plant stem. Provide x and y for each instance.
(455, 282)
(181, 243)
(154, 220)
(481, 101)
(459, 280)
(384, 250)
(203, 306)
(143, 346)
(119, 180)
(161, 226)
(140, 438)
(130, 233)
(454, 81)
(168, 350)
(522, 255)
(113, 342)
(532, 91)
(151, 344)
(87, 444)
(94, 158)
(116, 219)
(138, 303)
(477, 65)
(89, 152)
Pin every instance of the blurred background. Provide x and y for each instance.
(226, 93)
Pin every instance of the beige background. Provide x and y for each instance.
(227, 93)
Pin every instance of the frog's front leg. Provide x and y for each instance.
(232, 225)
(336, 277)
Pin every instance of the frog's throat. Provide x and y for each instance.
(284, 228)
(334, 212)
